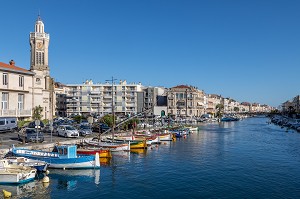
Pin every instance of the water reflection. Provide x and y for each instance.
(139, 151)
(105, 161)
(70, 179)
(17, 190)
(34, 189)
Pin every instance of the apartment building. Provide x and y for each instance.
(186, 101)
(99, 99)
(212, 101)
(155, 100)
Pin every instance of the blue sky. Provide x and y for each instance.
(246, 50)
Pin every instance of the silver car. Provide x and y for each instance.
(67, 131)
(85, 130)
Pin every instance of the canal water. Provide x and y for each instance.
(244, 159)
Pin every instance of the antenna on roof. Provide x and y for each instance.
(39, 15)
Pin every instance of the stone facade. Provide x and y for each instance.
(186, 101)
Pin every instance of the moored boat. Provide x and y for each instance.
(109, 145)
(138, 144)
(191, 128)
(37, 164)
(92, 151)
(62, 157)
(165, 136)
(15, 174)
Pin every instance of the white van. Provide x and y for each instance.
(8, 124)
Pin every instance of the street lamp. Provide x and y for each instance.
(112, 106)
(186, 103)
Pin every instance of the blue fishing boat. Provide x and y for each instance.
(62, 157)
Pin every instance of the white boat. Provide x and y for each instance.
(15, 174)
(37, 164)
(192, 128)
(165, 136)
(112, 146)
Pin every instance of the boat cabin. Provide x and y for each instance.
(66, 151)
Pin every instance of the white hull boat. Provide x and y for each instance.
(15, 174)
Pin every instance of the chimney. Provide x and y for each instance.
(12, 62)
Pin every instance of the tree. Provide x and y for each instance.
(37, 113)
(78, 118)
(236, 109)
(107, 119)
(220, 108)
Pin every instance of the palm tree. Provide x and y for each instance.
(220, 108)
(37, 113)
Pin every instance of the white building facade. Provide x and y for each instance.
(98, 99)
(21, 89)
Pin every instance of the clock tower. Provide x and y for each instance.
(42, 84)
(39, 42)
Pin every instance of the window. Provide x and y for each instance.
(5, 79)
(60, 151)
(20, 101)
(21, 81)
(4, 101)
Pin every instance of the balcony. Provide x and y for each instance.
(72, 105)
(130, 105)
(106, 105)
(15, 113)
(181, 107)
(107, 96)
(96, 101)
(95, 92)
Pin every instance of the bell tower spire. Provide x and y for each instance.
(39, 43)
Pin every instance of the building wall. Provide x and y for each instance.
(14, 90)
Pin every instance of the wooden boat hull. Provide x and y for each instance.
(167, 137)
(91, 151)
(134, 144)
(113, 147)
(138, 145)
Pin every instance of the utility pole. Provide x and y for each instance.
(112, 107)
(186, 103)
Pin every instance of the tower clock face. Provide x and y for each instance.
(39, 45)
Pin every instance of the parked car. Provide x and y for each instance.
(85, 130)
(8, 124)
(67, 131)
(32, 124)
(30, 135)
(100, 127)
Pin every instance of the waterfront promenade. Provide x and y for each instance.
(250, 158)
